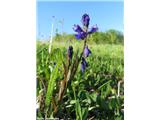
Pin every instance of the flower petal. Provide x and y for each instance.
(87, 51)
(77, 28)
(84, 64)
(81, 35)
(93, 29)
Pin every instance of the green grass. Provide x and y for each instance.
(92, 95)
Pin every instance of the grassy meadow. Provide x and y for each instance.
(96, 94)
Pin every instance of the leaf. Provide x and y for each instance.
(72, 101)
(104, 85)
(93, 96)
(84, 113)
(78, 109)
(54, 75)
(51, 85)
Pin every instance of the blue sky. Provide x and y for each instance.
(106, 14)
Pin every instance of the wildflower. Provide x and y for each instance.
(93, 29)
(85, 20)
(70, 52)
(77, 28)
(84, 64)
(83, 67)
(81, 35)
(86, 51)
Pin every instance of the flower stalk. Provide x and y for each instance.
(71, 66)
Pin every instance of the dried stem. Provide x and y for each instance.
(119, 83)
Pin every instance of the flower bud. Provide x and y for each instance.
(70, 52)
(84, 64)
(85, 20)
(93, 29)
(86, 51)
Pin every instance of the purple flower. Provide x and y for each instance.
(82, 32)
(86, 51)
(93, 29)
(70, 52)
(84, 61)
(83, 67)
(81, 35)
(77, 28)
(85, 20)
(83, 64)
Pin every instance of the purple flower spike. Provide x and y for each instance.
(83, 64)
(85, 20)
(93, 29)
(77, 28)
(86, 51)
(83, 32)
(70, 52)
(81, 35)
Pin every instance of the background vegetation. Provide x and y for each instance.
(109, 37)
